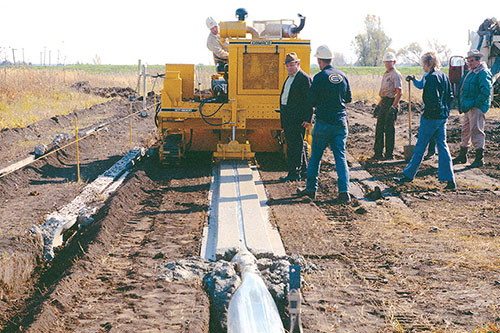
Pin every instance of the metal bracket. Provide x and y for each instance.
(294, 299)
(276, 49)
(245, 50)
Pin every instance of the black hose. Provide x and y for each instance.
(204, 116)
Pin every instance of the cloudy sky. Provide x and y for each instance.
(165, 31)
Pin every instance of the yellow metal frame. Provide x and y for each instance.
(250, 111)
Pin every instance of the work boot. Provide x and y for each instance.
(376, 157)
(290, 178)
(401, 180)
(344, 197)
(462, 156)
(304, 192)
(478, 161)
(450, 185)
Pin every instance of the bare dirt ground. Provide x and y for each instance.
(430, 263)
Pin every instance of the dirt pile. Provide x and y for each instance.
(108, 92)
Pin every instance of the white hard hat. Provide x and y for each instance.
(389, 56)
(323, 52)
(211, 22)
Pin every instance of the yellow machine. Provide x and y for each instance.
(239, 117)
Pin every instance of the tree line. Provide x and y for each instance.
(371, 45)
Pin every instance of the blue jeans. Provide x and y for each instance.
(323, 135)
(428, 129)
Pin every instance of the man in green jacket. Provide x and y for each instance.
(474, 101)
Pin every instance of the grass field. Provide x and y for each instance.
(28, 94)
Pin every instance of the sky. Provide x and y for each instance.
(166, 31)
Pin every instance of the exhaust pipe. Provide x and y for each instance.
(296, 30)
(253, 32)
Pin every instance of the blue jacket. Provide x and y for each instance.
(329, 93)
(475, 89)
(437, 95)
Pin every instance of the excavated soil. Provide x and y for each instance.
(429, 263)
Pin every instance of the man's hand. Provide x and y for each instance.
(305, 124)
(394, 112)
(410, 78)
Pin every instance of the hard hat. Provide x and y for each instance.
(323, 52)
(211, 22)
(389, 56)
(494, 19)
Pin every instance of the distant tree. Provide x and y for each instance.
(339, 60)
(371, 45)
(410, 54)
(442, 50)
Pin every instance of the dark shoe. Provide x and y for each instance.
(388, 157)
(376, 157)
(462, 156)
(303, 192)
(478, 161)
(344, 197)
(402, 180)
(429, 156)
(450, 185)
(290, 178)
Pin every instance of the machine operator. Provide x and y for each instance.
(214, 44)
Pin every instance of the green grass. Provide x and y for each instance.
(349, 70)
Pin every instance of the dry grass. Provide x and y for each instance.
(28, 95)
(366, 88)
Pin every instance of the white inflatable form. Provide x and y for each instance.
(252, 308)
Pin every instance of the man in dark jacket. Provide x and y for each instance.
(296, 116)
(329, 93)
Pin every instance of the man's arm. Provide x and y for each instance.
(215, 46)
(484, 94)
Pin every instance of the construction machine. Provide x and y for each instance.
(238, 115)
(489, 46)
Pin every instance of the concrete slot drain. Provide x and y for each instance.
(243, 264)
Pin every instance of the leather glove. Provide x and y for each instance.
(410, 78)
(393, 111)
(376, 111)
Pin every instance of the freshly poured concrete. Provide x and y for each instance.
(238, 214)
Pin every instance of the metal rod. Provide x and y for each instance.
(144, 87)
(77, 152)
(409, 113)
(138, 90)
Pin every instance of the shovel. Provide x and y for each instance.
(408, 150)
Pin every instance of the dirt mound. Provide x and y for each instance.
(109, 92)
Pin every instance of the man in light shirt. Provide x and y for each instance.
(387, 108)
(214, 44)
(296, 116)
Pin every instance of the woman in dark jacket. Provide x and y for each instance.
(437, 98)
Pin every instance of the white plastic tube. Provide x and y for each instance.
(252, 308)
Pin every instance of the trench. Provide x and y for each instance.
(49, 274)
